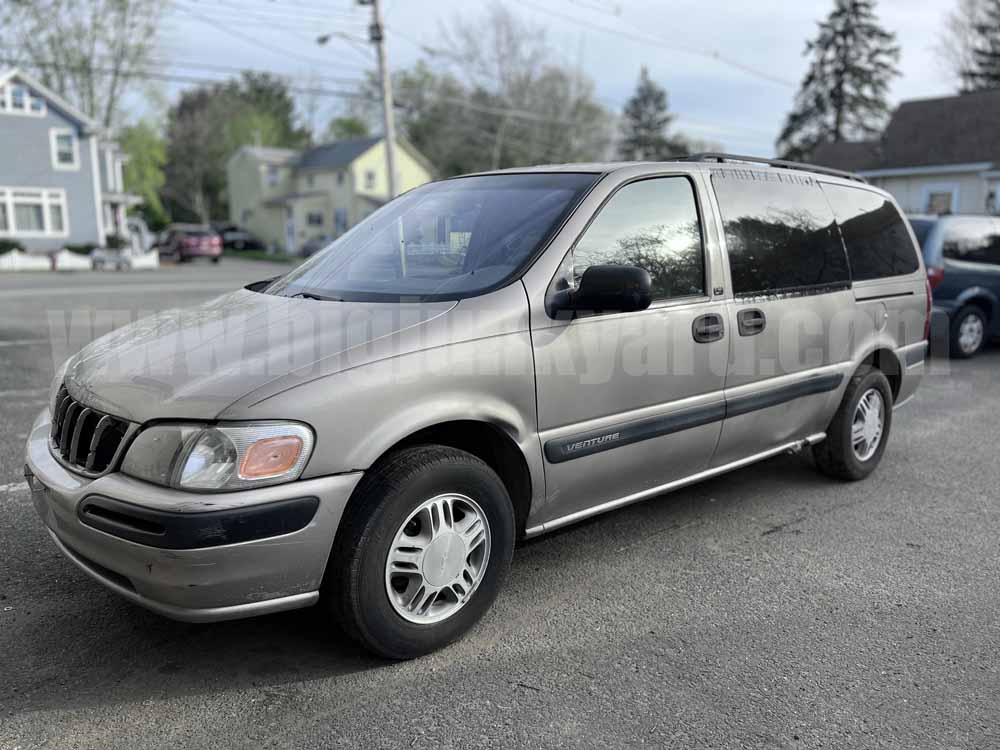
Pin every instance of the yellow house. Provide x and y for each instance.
(289, 197)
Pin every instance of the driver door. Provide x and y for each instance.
(629, 402)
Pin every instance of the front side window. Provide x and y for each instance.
(780, 233)
(974, 240)
(443, 240)
(652, 224)
(878, 245)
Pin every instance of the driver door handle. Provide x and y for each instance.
(708, 328)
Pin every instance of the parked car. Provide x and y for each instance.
(962, 254)
(237, 238)
(487, 358)
(184, 242)
(314, 245)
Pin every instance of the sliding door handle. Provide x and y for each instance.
(751, 322)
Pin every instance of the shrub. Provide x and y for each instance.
(8, 245)
(82, 249)
(115, 242)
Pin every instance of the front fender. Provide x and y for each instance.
(361, 413)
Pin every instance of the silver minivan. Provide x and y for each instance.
(482, 360)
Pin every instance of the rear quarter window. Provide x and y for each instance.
(781, 235)
(875, 235)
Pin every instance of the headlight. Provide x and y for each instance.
(231, 456)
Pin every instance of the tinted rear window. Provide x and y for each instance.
(878, 245)
(975, 240)
(780, 232)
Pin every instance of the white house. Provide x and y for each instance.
(936, 155)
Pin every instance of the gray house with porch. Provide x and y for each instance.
(60, 177)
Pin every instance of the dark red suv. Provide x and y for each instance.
(185, 242)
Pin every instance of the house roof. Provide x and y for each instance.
(335, 155)
(949, 130)
(52, 97)
(848, 156)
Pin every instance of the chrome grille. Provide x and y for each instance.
(84, 439)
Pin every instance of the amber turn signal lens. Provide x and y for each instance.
(271, 457)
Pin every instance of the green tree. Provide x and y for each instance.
(493, 98)
(844, 95)
(208, 125)
(982, 69)
(147, 155)
(646, 124)
(345, 128)
(268, 95)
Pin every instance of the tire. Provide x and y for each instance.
(837, 455)
(216, 260)
(357, 583)
(963, 341)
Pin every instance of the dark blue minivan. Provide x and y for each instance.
(962, 255)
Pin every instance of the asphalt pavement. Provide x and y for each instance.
(769, 608)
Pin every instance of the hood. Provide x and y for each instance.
(193, 363)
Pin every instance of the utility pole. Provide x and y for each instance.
(376, 34)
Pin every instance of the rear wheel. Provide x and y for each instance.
(968, 332)
(215, 260)
(422, 551)
(857, 435)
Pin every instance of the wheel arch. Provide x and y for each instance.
(883, 358)
(980, 297)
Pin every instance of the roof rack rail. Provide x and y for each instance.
(777, 163)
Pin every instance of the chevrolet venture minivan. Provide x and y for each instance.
(484, 359)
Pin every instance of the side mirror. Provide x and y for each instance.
(259, 286)
(605, 289)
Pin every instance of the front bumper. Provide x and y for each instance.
(208, 583)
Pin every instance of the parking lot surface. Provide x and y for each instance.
(767, 608)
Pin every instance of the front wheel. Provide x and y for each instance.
(857, 435)
(422, 551)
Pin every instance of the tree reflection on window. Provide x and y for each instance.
(652, 224)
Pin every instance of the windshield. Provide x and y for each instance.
(445, 240)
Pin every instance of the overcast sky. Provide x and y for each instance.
(741, 105)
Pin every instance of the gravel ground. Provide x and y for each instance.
(768, 608)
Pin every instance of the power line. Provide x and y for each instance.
(174, 78)
(654, 41)
(257, 42)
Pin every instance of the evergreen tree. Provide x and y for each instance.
(646, 124)
(844, 93)
(983, 70)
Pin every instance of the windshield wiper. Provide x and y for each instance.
(310, 295)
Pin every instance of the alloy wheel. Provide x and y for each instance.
(868, 424)
(437, 558)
